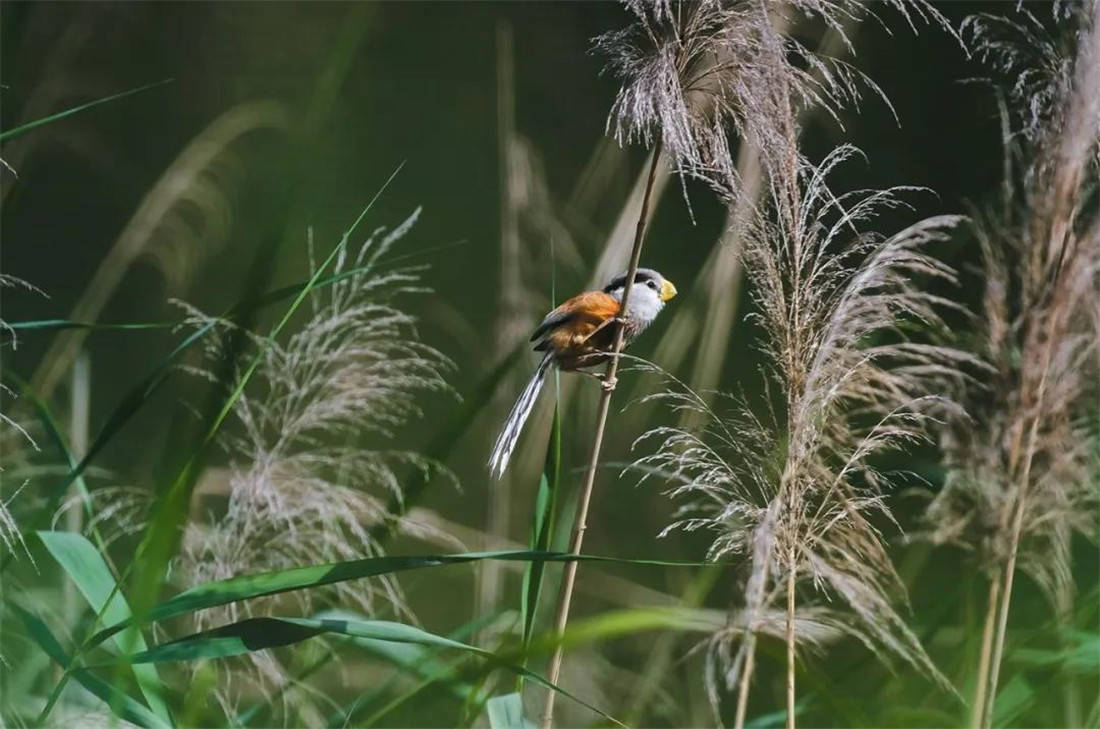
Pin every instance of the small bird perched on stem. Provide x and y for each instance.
(579, 334)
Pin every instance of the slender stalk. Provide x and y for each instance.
(790, 641)
(1053, 327)
(1071, 694)
(750, 662)
(977, 707)
(80, 398)
(1002, 617)
(1064, 195)
(565, 596)
(499, 506)
(746, 680)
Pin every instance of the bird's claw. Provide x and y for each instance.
(608, 383)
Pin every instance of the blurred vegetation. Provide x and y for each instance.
(263, 145)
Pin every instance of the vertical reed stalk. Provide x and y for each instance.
(1053, 326)
(746, 679)
(499, 506)
(790, 640)
(1002, 616)
(977, 707)
(1071, 694)
(80, 399)
(750, 664)
(565, 597)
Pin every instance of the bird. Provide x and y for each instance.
(578, 334)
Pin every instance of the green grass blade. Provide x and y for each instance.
(542, 526)
(123, 705)
(409, 657)
(1079, 654)
(58, 324)
(256, 634)
(86, 568)
(443, 672)
(246, 587)
(248, 304)
(49, 424)
(23, 128)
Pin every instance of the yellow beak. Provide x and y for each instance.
(667, 290)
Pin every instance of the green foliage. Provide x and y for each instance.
(256, 634)
(506, 712)
(123, 705)
(84, 565)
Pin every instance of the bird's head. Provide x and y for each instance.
(647, 296)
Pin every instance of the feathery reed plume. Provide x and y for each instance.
(14, 436)
(308, 475)
(797, 496)
(692, 75)
(718, 283)
(1020, 483)
(14, 442)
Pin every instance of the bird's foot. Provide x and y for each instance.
(608, 383)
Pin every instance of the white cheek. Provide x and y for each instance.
(644, 305)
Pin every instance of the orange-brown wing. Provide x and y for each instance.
(570, 324)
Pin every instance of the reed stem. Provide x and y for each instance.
(1053, 325)
(790, 641)
(565, 596)
(746, 680)
(977, 707)
(1002, 616)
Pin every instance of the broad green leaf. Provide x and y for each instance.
(1012, 700)
(446, 672)
(408, 656)
(122, 704)
(506, 712)
(256, 634)
(86, 568)
(1081, 654)
(246, 587)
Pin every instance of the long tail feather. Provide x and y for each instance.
(513, 426)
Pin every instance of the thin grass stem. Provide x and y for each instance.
(750, 663)
(745, 681)
(565, 597)
(977, 708)
(790, 640)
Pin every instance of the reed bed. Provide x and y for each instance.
(853, 483)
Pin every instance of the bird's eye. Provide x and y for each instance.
(652, 285)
